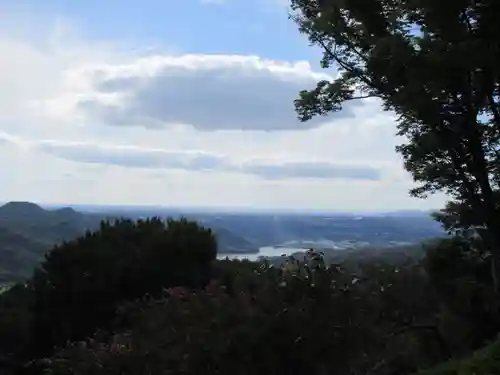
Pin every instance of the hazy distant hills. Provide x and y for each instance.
(45, 226)
(28, 230)
(18, 255)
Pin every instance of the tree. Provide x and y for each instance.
(437, 66)
(81, 284)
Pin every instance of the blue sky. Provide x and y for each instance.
(258, 27)
(184, 103)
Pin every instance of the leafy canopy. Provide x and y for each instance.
(437, 66)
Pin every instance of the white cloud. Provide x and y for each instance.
(209, 92)
(84, 97)
(195, 160)
(131, 156)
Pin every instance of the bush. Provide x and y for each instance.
(15, 324)
(157, 312)
(460, 275)
(81, 283)
(303, 318)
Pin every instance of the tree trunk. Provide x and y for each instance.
(492, 221)
(489, 207)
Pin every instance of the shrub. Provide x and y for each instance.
(81, 283)
(460, 275)
(303, 318)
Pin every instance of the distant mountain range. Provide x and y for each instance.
(28, 230)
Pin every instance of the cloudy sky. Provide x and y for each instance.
(185, 103)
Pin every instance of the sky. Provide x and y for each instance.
(182, 103)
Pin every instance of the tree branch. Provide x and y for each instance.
(364, 97)
(344, 65)
(411, 327)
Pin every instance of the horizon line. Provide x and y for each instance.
(224, 209)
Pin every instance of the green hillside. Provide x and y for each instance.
(27, 231)
(46, 226)
(18, 255)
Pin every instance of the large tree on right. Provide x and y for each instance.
(436, 64)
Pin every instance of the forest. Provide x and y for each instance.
(150, 296)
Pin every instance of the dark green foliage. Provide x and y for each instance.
(459, 274)
(15, 324)
(374, 315)
(483, 362)
(437, 66)
(299, 319)
(81, 283)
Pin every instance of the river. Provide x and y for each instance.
(266, 251)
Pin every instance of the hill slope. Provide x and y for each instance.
(18, 255)
(45, 226)
(27, 231)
